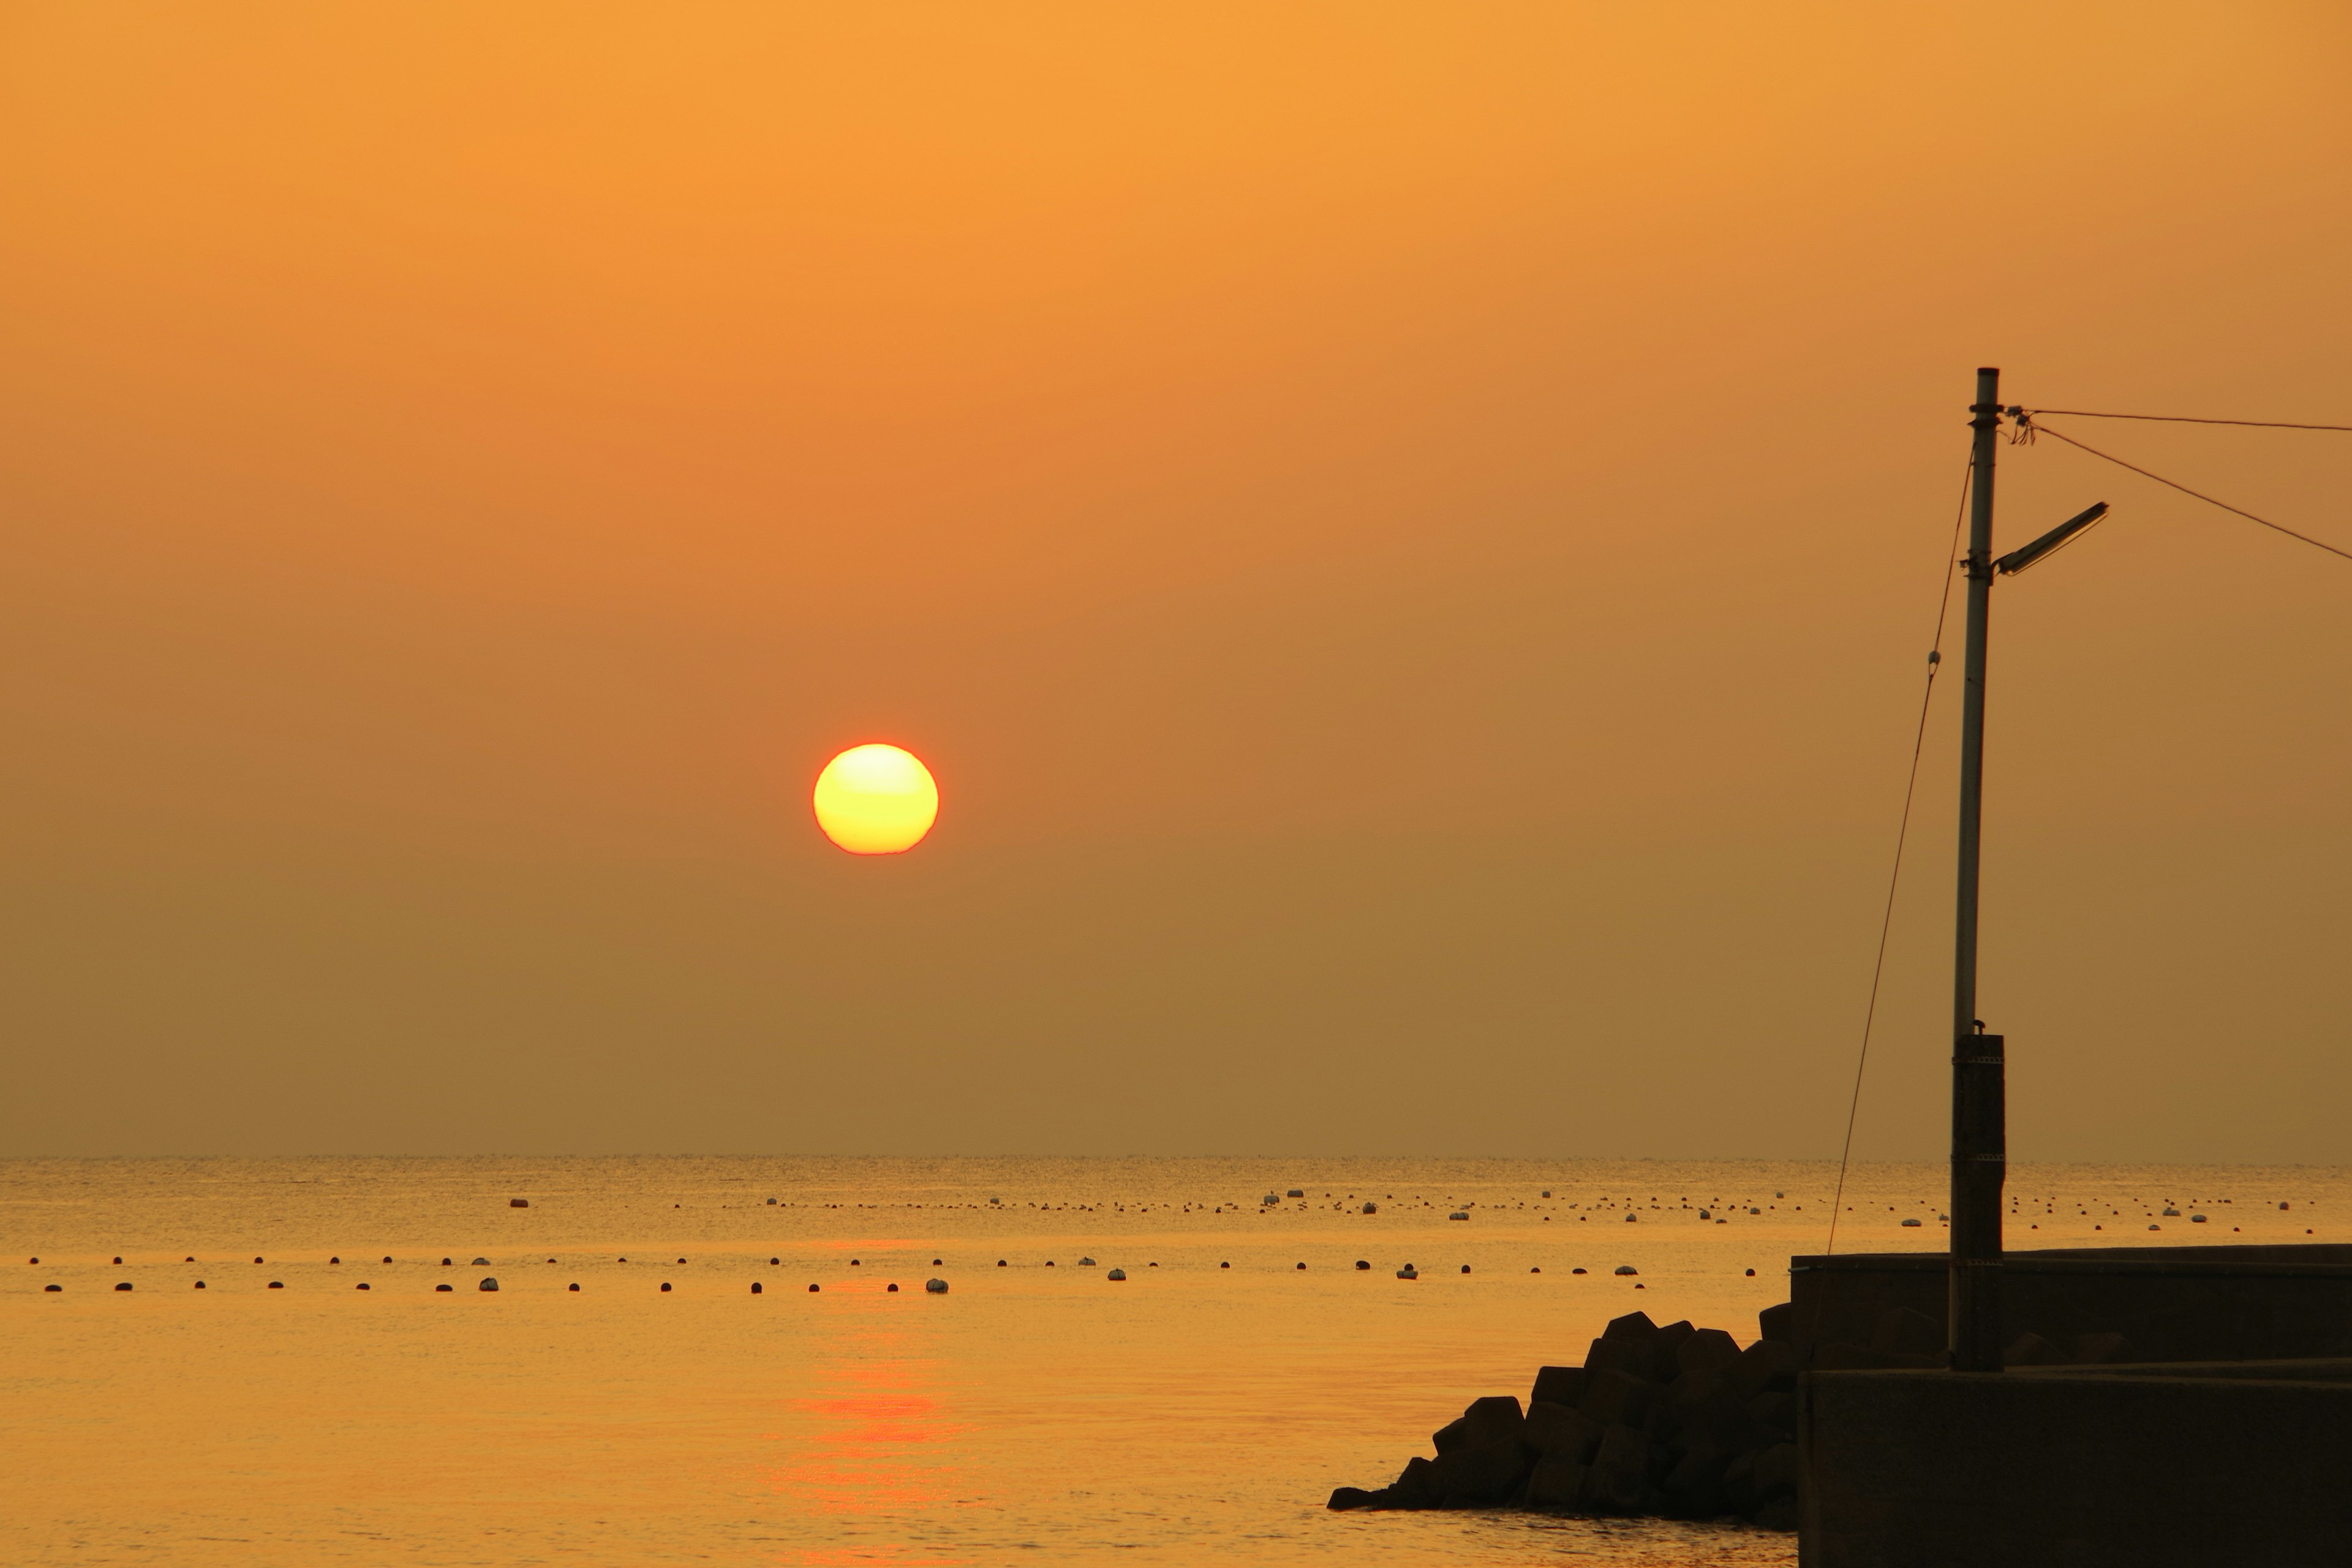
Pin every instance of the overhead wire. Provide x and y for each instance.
(1902, 835)
(2188, 419)
(2030, 427)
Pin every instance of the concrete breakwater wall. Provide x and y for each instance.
(2176, 1464)
(1675, 1420)
(2165, 1303)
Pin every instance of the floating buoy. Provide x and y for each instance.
(936, 1286)
(278, 1284)
(1408, 1272)
(774, 1262)
(893, 1287)
(52, 1287)
(2156, 1227)
(518, 1203)
(387, 1258)
(575, 1286)
(1086, 1263)
(438, 1287)
(681, 1260)
(1465, 1269)
(256, 1261)
(853, 1263)
(1302, 1266)
(664, 1284)
(1576, 1272)
(361, 1285)
(122, 1285)
(334, 1261)
(1459, 1213)
(1704, 1217)
(1000, 1263)
(1371, 1208)
(1913, 1224)
(1121, 1273)
(1627, 1268)
(2197, 1219)
(1049, 1263)
(771, 1202)
(200, 1284)
(444, 1262)
(479, 1263)
(1272, 1198)
(1639, 1286)
(118, 1262)
(935, 1263)
(1630, 1218)
(812, 1289)
(190, 1259)
(488, 1284)
(1362, 1262)
(32, 1260)
(1536, 1270)
(1225, 1265)
(1751, 1274)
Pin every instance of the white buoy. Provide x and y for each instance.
(1117, 1274)
(488, 1284)
(936, 1286)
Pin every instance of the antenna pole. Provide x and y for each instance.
(1980, 1136)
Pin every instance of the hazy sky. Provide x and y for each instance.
(1409, 536)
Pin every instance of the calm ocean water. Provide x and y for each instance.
(1037, 1411)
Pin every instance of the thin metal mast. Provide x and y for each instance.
(1979, 1139)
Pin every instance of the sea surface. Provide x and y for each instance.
(1199, 1411)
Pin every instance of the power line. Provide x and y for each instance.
(1902, 832)
(2033, 426)
(2186, 419)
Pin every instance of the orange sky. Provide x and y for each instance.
(1408, 537)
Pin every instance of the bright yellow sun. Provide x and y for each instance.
(876, 800)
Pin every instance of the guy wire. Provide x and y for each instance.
(1902, 833)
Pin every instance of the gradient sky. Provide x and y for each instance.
(1409, 536)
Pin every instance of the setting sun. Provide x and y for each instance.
(876, 800)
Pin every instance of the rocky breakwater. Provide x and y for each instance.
(1676, 1421)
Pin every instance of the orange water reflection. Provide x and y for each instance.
(872, 1442)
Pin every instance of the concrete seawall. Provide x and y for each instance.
(2170, 1304)
(2197, 1465)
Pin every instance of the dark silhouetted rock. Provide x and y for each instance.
(1346, 1497)
(2092, 1349)
(1778, 1323)
(1664, 1367)
(1484, 1474)
(1775, 1413)
(1634, 1326)
(1766, 1364)
(1557, 1431)
(1557, 1481)
(2032, 1350)
(1495, 1418)
(1557, 1385)
(1618, 1355)
(1780, 1513)
(1618, 1398)
(1619, 1480)
(1776, 1471)
(1694, 1487)
(1417, 1485)
(1706, 1350)
(1712, 1414)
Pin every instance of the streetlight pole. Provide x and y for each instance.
(1979, 1135)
